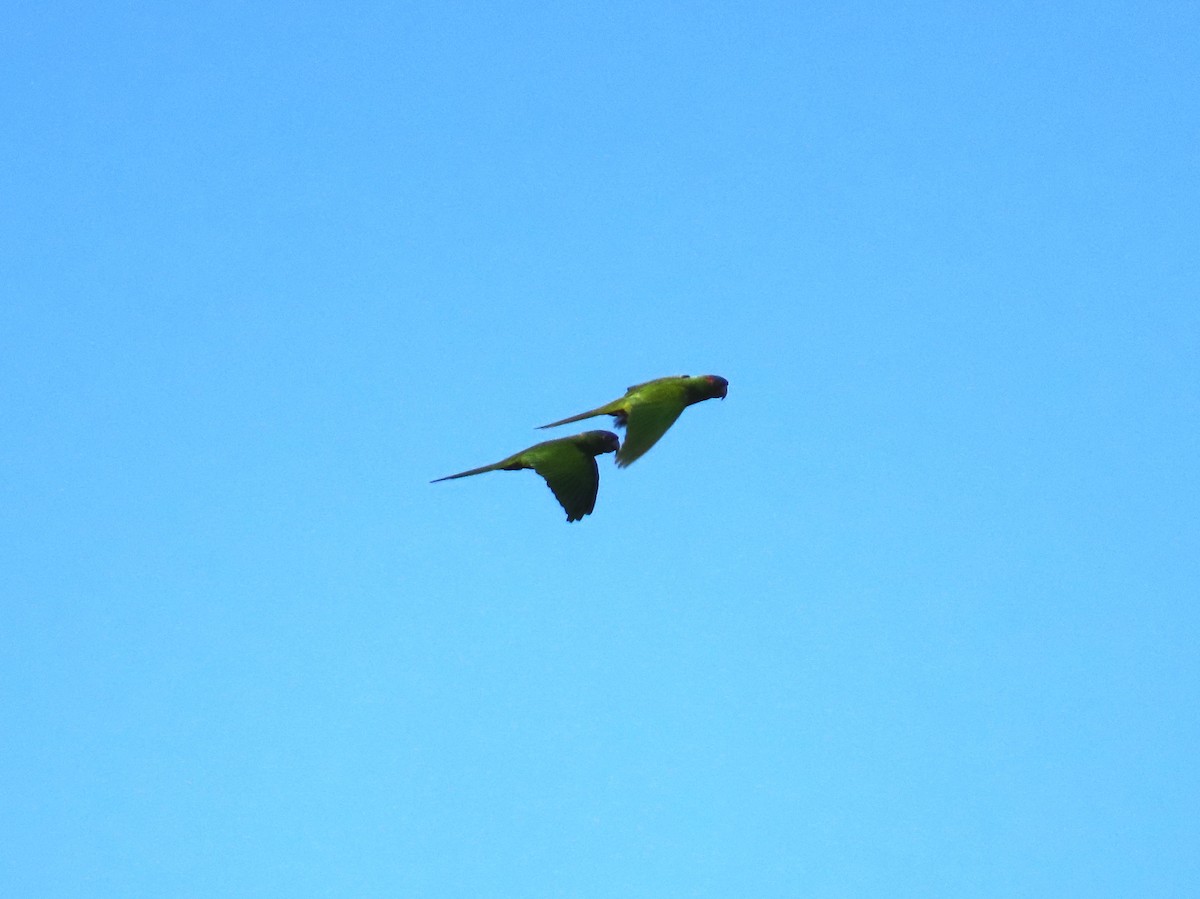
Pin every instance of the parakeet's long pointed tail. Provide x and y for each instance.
(467, 474)
(613, 408)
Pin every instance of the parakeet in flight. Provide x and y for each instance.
(647, 410)
(568, 465)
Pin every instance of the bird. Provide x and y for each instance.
(647, 410)
(568, 464)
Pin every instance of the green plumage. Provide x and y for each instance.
(568, 465)
(647, 410)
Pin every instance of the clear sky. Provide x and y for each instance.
(914, 612)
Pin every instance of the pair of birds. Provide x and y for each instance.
(568, 464)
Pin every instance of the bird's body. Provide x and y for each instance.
(647, 410)
(567, 464)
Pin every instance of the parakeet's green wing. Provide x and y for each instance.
(670, 379)
(572, 475)
(647, 422)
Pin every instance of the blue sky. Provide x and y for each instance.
(913, 612)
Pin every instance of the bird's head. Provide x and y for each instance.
(718, 385)
(602, 442)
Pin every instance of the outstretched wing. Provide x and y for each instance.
(655, 382)
(572, 475)
(647, 422)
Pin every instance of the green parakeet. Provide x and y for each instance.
(568, 465)
(647, 410)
